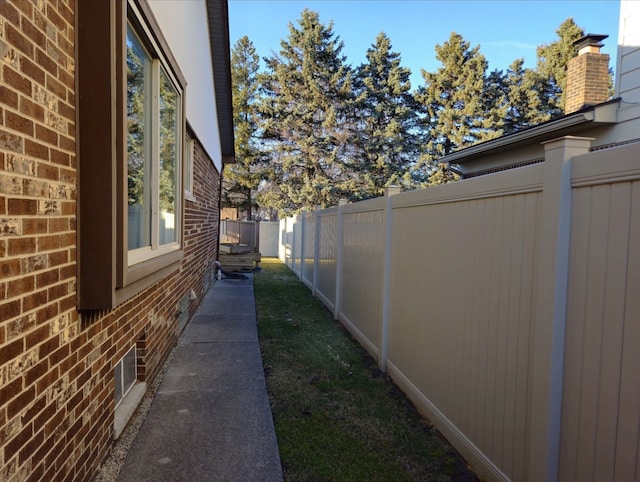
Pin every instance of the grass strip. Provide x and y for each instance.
(337, 416)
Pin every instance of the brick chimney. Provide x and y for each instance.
(587, 75)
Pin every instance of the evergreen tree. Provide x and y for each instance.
(552, 63)
(386, 140)
(523, 97)
(517, 99)
(441, 174)
(496, 102)
(530, 97)
(307, 128)
(242, 178)
(456, 114)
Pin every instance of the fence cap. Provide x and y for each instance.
(391, 190)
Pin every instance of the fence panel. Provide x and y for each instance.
(601, 398)
(308, 248)
(285, 239)
(242, 232)
(461, 294)
(362, 272)
(326, 276)
(524, 356)
(268, 238)
(296, 246)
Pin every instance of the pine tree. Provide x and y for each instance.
(307, 128)
(456, 115)
(552, 63)
(386, 141)
(523, 97)
(242, 178)
(496, 102)
(517, 99)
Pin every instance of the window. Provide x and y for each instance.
(153, 153)
(128, 389)
(188, 168)
(125, 375)
(131, 112)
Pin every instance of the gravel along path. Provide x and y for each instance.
(110, 470)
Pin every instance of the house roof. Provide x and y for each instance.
(605, 113)
(218, 16)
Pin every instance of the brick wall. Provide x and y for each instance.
(56, 364)
(202, 220)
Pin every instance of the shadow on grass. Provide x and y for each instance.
(337, 416)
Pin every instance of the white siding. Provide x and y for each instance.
(628, 74)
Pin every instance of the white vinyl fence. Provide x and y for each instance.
(261, 235)
(506, 306)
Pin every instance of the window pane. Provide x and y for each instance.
(117, 375)
(125, 375)
(169, 151)
(129, 370)
(139, 170)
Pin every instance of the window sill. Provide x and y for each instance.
(127, 407)
(146, 274)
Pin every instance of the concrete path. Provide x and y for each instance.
(211, 419)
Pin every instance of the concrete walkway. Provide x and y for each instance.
(211, 419)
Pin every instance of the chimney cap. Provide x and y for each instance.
(590, 40)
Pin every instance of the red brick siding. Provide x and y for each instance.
(56, 364)
(202, 220)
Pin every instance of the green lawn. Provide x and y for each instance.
(337, 417)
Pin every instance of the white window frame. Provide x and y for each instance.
(188, 167)
(138, 25)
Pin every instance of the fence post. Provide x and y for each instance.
(291, 239)
(282, 227)
(298, 225)
(316, 249)
(339, 257)
(293, 244)
(386, 284)
(256, 236)
(550, 307)
(303, 240)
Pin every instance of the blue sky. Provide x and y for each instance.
(504, 29)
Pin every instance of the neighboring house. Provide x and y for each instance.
(588, 112)
(116, 123)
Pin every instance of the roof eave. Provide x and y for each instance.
(605, 113)
(218, 17)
